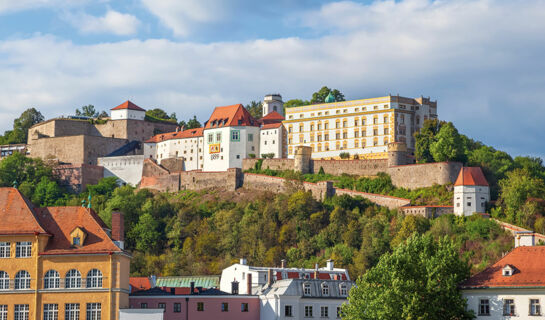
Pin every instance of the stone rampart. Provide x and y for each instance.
(76, 177)
(424, 175)
(353, 167)
(273, 164)
(198, 180)
(427, 211)
(379, 199)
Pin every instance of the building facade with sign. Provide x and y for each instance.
(60, 262)
(186, 145)
(358, 127)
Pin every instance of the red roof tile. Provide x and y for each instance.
(529, 265)
(271, 126)
(471, 176)
(189, 133)
(139, 283)
(128, 105)
(230, 116)
(17, 214)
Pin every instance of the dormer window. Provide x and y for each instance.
(76, 241)
(507, 271)
(306, 289)
(325, 289)
(77, 237)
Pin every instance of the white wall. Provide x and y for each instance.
(470, 199)
(231, 152)
(520, 296)
(274, 307)
(124, 114)
(128, 169)
(190, 149)
(271, 142)
(141, 314)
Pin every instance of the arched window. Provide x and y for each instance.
(94, 279)
(4, 280)
(52, 280)
(22, 280)
(343, 290)
(73, 279)
(325, 289)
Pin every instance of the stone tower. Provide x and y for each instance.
(302, 159)
(397, 154)
(273, 102)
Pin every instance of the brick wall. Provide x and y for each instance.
(427, 211)
(76, 177)
(198, 180)
(273, 164)
(354, 167)
(424, 175)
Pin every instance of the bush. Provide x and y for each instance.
(267, 155)
(344, 155)
(321, 171)
(251, 155)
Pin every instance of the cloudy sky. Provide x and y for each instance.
(483, 60)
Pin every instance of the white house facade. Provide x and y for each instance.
(471, 192)
(186, 145)
(127, 111)
(271, 140)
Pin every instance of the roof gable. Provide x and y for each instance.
(230, 116)
(17, 214)
(128, 105)
(471, 176)
(189, 133)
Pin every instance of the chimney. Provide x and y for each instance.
(270, 276)
(243, 261)
(191, 287)
(316, 274)
(152, 280)
(283, 263)
(118, 229)
(249, 283)
(330, 265)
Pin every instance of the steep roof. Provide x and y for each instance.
(128, 105)
(17, 214)
(189, 133)
(529, 266)
(60, 221)
(271, 126)
(471, 176)
(272, 117)
(139, 283)
(230, 116)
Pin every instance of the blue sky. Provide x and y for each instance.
(481, 59)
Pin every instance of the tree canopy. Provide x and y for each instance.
(418, 280)
(255, 109)
(190, 124)
(320, 95)
(19, 134)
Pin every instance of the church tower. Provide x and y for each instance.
(273, 102)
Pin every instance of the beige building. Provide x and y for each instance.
(360, 127)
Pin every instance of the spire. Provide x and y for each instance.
(330, 98)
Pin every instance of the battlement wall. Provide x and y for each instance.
(273, 164)
(360, 167)
(424, 175)
(198, 180)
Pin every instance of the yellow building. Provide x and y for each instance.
(59, 262)
(360, 127)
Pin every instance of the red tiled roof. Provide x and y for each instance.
(471, 176)
(272, 117)
(17, 214)
(230, 116)
(529, 265)
(128, 105)
(271, 126)
(189, 133)
(139, 283)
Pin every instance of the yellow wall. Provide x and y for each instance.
(115, 281)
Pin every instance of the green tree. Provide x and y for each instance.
(296, 103)
(410, 225)
(190, 124)
(516, 188)
(158, 113)
(320, 95)
(19, 134)
(418, 280)
(47, 193)
(534, 166)
(255, 109)
(146, 234)
(424, 138)
(87, 111)
(448, 145)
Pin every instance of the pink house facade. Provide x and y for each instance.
(208, 304)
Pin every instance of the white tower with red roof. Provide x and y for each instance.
(128, 111)
(471, 192)
(273, 103)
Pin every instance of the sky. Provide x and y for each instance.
(482, 60)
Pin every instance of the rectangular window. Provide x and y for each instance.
(250, 137)
(162, 305)
(324, 312)
(355, 122)
(301, 128)
(210, 138)
(218, 136)
(235, 135)
(143, 305)
(326, 137)
(484, 307)
(326, 126)
(306, 289)
(200, 306)
(345, 124)
(308, 311)
(3, 312)
(21, 312)
(345, 135)
(5, 250)
(177, 307)
(356, 134)
(51, 312)
(224, 307)
(375, 132)
(94, 311)
(288, 311)
(375, 120)
(244, 307)
(337, 136)
(508, 307)
(363, 133)
(23, 249)
(535, 307)
(311, 127)
(386, 131)
(337, 125)
(338, 312)
(71, 311)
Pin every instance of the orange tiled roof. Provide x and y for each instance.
(471, 176)
(189, 133)
(128, 105)
(230, 116)
(139, 283)
(21, 217)
(529, 265)
(17, 214)
(272, 117)
(271, 126)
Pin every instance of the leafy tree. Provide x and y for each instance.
(418, 280)
(87, 111)
(158, 114)
(424, 138)
(255, 109)
(19, 134)
(146, 234)
(533, 165)
(47, 193)
(320, 95)
(410, 225)
(516, 188)
(190, 124)
(448, 145)
(296, 103)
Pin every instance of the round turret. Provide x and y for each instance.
(302, 159)
(397, 154)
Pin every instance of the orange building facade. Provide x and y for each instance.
(60, 262)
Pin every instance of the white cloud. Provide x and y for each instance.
(8, 6)
(182, 16)
(112, 22)
(481, 59)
